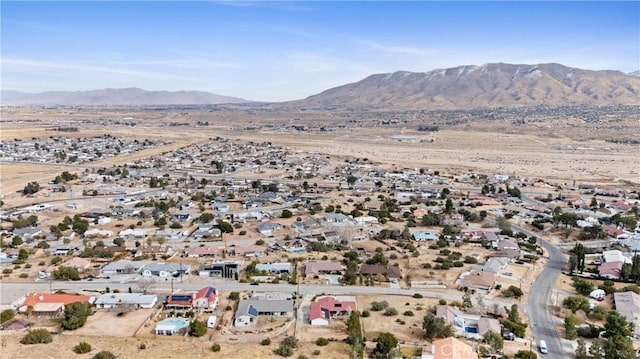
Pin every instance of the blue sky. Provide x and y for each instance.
(276, 51)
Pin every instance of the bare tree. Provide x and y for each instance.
(144, 284)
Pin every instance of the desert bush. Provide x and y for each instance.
(82, 347)
(37, 336)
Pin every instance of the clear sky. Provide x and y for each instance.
(276, 51)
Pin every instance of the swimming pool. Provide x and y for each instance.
(171, 326)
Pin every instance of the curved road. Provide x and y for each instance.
(540, 318)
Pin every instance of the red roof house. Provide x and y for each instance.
(325, 308)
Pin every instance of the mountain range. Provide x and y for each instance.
(489, 85)
(125, 96)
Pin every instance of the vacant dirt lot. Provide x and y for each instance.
(62, 347)
(105, 321)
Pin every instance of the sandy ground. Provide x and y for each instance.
(62, 347)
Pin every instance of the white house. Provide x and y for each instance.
(118, 300)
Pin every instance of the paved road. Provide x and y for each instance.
(540, 317)
(14, 290)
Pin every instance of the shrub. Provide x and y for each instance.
(365, 314)
(234, 295)
(104, 355)
(23, 275)
(82, 347)
(470, 260)
(302, 356)
(242, 232)
(265, 341)
(418, 295)
(442, 302)
(7, 271)
(56, 260)
(215, 348)
(142, 346)
(6, 314)
(37, 336)
(316, 352)
(408, 313)
(378, 306)
(322, 342)
(390, 312)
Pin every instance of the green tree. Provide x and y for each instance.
(75, 315)
(495, 340)
(582, 286)
(286, 214)
(385, 343)
(570, 331)
(65, 273)
(225, 227)
(448, 206)
(435, 327)
(503, 223)
(617, 331)
(6, 315)
(595, 350)
(581, 350)
(197, 328)
(575, 303)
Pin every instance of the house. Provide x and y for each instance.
(477, 280)
(200, 252)
(275, 268)
(207, 231)
(628, 305)
(154, 251)
(468, 325)
(206, 299)
(126, 300)
(121, 267)
(610, 270)
(129, 233)
(365, 221)
(224, 269)
(323, 267)
(331, 237)
(80, 264)
(323, 309)
(448, 348)
(390, 272)
(27, 232)
(180, 300)
(266, 229)
(95, 232)
(51, 305)
(421, 236)
(163, 270)
(180, 217)
(220, 207)
(171, 234)
(337, 219)
(494, 264)
(615, 256)
(250, 309)
(506, 247)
